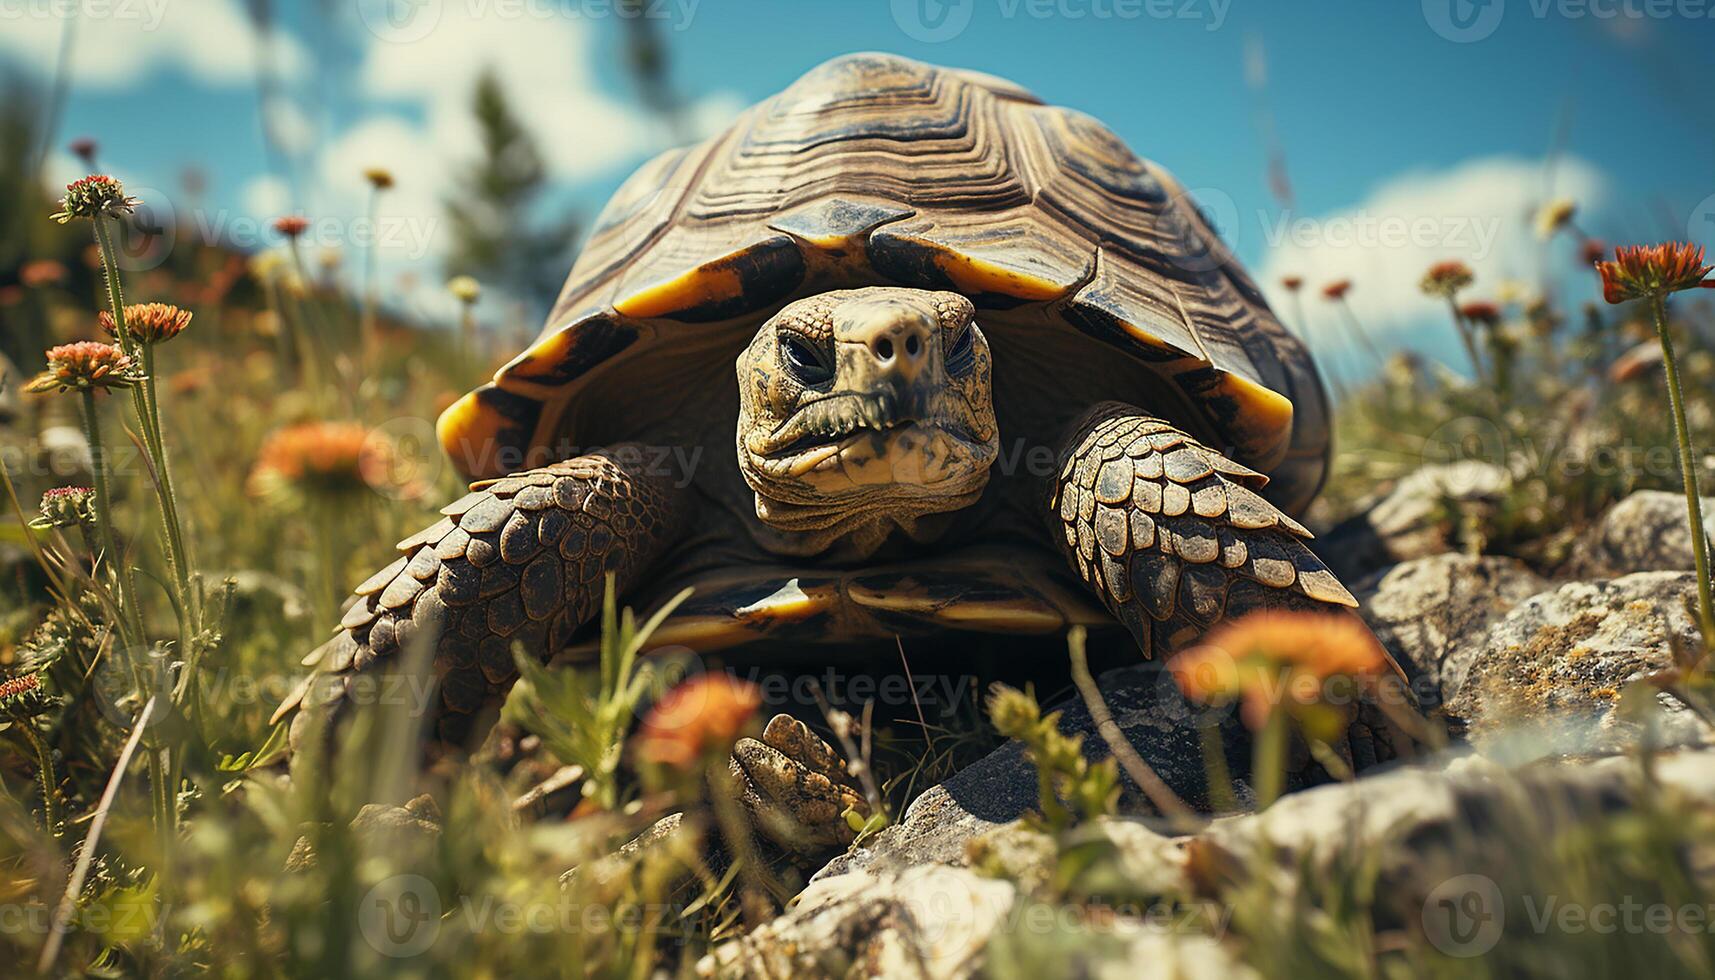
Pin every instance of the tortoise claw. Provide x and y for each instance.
(795, 787)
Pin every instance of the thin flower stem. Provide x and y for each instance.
(1268, 759)
(1146, 778)
(1688, 467)
(369, 347)
(44, 772)
(1470, 344)
(131, 623)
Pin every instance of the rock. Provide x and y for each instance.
(1429, 610)
(1001, 787)
(1557, 663)
(1648, 531)
(1413, 520)
(934, 921)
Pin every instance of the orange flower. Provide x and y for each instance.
(379, 178)
(697, 720)
(1446, 278)
(1639, 271)
(1590, 251)
(152, 323)
(1286, 659)
(318, 458)
(85, 365)
(1292, 283)
(41, 272)
(84, 148)
(1481, 312)
(291, 225)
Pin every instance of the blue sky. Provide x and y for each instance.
(1391, 120)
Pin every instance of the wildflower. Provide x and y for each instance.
(291, 225)
(94, 196)
(41, 272)
(1481, 312)
(318, 458)
(1283, 659)
(1446, 278)
(1336, 290)
(84, 149)
(1590, 251)
(83, 366)
(151, 323)
(465, 289)
(1639, 271)
(1554, 216)
(379, 178)
(65, 507)
(700, 719)
(1292, 283)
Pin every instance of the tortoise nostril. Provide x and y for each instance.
(884, 349)
(913, 346)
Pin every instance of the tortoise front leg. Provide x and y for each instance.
(1171, 535)
(520, 560)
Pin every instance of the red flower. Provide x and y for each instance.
(1639, 271)
(1591, 250)
(1292, 283)
(697, 720)
(1446, 278)
(291, 225)
(41, 272)
(94, 196)
(84, 149)
(1481, 311)
(1336, 290)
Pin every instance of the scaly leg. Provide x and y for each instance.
(522, 559)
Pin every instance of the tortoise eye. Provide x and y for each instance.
(961, 356)
(804, 360)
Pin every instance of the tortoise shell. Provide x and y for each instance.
(873, 170)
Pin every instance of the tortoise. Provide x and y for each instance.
(994, 373)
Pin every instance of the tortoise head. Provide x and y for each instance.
(865, 409)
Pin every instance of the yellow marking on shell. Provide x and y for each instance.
(974, 275)
(702, 633)
(1020, 612)
(466, 427)
(706, 282)
(547, 354)
(1264, 419)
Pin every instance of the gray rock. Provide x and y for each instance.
(1430, 611)
(1556, 664)
(1648, 531)
(1412, 520)
(934, 921)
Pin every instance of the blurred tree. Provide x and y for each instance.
(646, 61)
(499, 232)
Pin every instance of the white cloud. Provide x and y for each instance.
(543, 63)
(265, 197)
(117, 42)
(1480, 211)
